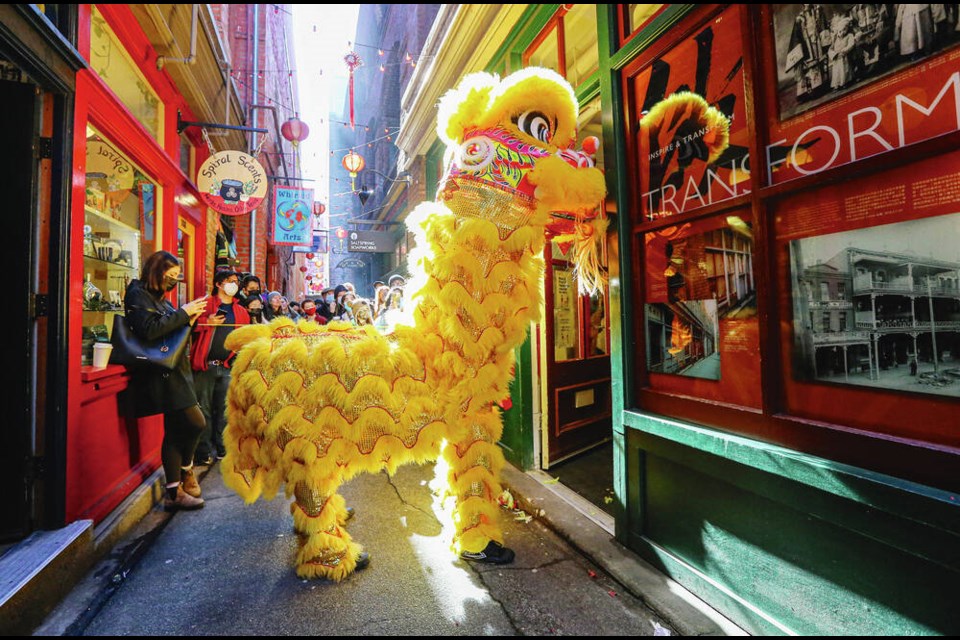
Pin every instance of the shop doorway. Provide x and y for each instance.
(17, 136)
(578, 430)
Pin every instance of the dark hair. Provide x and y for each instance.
(154, 267)
(247, 279)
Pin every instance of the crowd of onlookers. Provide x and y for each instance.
(334, 303)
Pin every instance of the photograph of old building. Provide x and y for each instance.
(880, 311)
(717, 264)
(683, 338)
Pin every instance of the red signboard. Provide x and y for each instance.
(678, 170)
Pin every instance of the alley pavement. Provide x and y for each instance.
(227, 570)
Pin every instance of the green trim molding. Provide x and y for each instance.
(786, 543)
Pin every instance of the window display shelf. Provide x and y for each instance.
(110, 263)
(103, 216)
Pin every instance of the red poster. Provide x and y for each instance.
(871, 296)
(857, 80)
(693, 136)
(701, 329)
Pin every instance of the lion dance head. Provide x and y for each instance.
(511, 157)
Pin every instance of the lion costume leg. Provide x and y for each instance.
(475, 461)
(326, 549)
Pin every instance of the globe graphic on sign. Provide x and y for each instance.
(292, 214)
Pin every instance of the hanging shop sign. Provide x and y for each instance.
(232, 182)
(370, 242)
(292, 215)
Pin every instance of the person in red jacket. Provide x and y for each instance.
(210, 360)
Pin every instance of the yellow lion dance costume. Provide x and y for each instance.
(312, 406)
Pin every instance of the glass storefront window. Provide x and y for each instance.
(580, 42)
(546, 53)
(111, 62)
(638, 15)
(591, 124)
(119, 229)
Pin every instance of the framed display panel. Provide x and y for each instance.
(701, 335)
(878, 78)
(870, 275)
(875, 427)
(691, 136)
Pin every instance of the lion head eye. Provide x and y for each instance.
(536, 124)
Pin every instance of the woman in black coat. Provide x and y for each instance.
(156, 390)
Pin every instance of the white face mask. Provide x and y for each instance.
(231, 289)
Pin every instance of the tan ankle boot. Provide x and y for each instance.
(184, 501)
(189, 482)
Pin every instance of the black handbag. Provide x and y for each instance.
(134, 353)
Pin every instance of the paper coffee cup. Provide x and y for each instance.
(101, 354)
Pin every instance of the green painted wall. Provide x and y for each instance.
(786, 543)
(517, 440)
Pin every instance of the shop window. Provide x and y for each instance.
(568, 44)
(186, 156)
(634, 17)
(119, 231)
(546, 53)
(580, 43)
(116, 68)
(62, 17)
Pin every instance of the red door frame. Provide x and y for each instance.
(95, 431)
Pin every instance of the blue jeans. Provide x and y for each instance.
(211, 387)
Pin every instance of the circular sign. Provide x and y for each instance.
(232, 182)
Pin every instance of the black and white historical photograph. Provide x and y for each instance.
(880, 307)
(826, 50)
(683, 338)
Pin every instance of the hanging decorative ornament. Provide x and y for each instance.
(303, 269)
(309, 256)
(295, 130)
(354, 163)
(353, 63)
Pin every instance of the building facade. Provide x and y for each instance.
(113, 110)
(806, 483)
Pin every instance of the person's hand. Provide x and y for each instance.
(217, 318)
(195, 307)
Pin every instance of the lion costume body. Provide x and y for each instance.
(311, 406)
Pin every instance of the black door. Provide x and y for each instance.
(17, 162)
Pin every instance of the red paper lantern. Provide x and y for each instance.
(295, 130)
(341, 233)
(354, 163)
(303, 269)
(309, 256)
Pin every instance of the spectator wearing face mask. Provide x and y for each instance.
(254, 306)
(327, 305)
(339, 292)
(211, 360)
(249, 286)
(309, 308)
